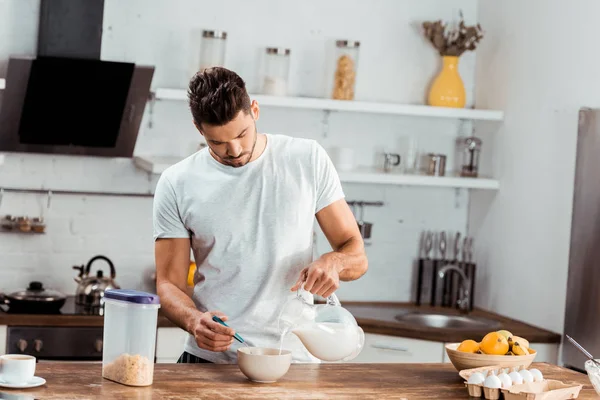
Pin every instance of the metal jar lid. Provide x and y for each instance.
(279, 51)
(214, 34)
(472, 143)
(350, 44)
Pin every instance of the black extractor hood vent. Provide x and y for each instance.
(67, 100)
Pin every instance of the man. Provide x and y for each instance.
(246, 205)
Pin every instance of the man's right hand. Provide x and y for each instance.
(211, 335)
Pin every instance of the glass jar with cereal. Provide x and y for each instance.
(346, 59)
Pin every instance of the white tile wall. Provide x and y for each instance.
(157, 32)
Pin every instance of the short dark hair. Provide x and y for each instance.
(216, 96)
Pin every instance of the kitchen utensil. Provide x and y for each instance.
(583, 350)
(263, 365)
(364, 227)
(435, 296)
(129, 336)
(390, 160)
(471, 269)
(420, 267)
(34, 300)
(220, 321)
(328, 331)
(427, 270)
(455, 289)
(90, 290)
(436, 164)
(462, 360)
(446, 283)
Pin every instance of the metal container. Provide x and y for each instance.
(470, 149)
(89, 296)
(212, 49)
(436, 164)
(276, 71)
(346, 60)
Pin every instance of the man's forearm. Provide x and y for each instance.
(177, 306)
(350, 259)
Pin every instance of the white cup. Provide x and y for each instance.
(17, 368)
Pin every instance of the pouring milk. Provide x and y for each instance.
(328, 341)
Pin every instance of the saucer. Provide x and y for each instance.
(34, 382)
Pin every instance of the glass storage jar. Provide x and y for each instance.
(212, 49)
(470, 149)
(276, 71)
(130, 318)
(346, 63)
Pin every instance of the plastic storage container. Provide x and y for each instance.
(212, 49)
(346, 59)
(129, 343)
(276, 71)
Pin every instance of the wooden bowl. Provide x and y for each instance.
(462, 360)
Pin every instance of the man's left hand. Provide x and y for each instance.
(321, 278)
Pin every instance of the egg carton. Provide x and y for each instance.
(547, 389)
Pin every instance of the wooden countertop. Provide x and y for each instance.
(372, 317)
(328, 381)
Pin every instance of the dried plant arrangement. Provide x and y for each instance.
(452, 40)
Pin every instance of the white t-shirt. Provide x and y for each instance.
(251, 231)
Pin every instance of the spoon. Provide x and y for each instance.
(220, 321)
(584, 351)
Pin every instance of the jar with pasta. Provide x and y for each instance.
(346, 63)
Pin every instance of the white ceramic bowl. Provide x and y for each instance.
(263, 365)
(593, 371)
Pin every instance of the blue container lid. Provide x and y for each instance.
(132, 296)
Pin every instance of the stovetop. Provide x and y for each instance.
(69, 308)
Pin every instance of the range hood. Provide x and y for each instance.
(66, 100)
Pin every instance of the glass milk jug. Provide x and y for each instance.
(328, 331)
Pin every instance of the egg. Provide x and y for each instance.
(516, 378)
(527, 377)
(537, 375)
(476, 378)
(506, 380)
(492, 382)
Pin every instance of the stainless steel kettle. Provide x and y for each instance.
(89, 297)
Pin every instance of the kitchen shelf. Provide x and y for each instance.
(355, 106)
(156, 165)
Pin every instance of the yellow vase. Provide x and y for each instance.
(448, 89)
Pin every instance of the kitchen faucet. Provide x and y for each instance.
(463, 303)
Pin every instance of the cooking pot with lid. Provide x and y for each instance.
(34, 300)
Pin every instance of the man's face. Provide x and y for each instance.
(233, 143)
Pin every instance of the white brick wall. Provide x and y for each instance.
(157, 32)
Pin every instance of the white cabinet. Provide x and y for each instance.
(169, 344)
(3, 337)
(393, 349)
